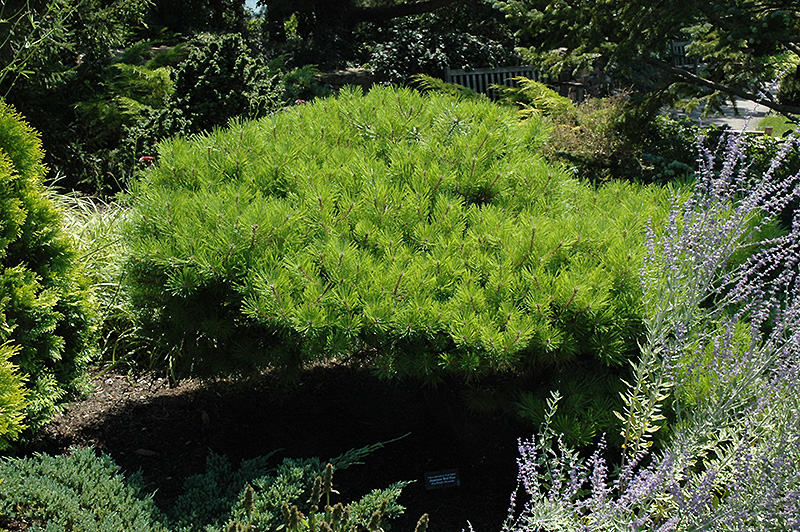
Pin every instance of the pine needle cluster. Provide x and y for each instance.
(419, 233)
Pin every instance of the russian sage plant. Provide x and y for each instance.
(721, 362)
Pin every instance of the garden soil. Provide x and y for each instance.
(167, 432)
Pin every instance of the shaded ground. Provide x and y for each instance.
(167, 433)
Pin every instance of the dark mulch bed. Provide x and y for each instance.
(167, 432)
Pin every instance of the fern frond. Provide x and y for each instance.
(534, 97)
(426, 83)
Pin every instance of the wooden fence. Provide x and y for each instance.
(481, 80)
(679, 57)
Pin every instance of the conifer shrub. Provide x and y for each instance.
(83, 491)
(291, 496)
(12, 398)
(219, 80)
(46, 312)
(79, 492)
(420, 234)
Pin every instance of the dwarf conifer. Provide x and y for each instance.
(46, 312)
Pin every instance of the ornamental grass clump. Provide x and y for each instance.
(721, 362)
(96, 227)
(418, 234)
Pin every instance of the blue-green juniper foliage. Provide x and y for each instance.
(84, 492)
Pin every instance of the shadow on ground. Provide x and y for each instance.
(167, 433)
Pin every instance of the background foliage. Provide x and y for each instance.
(218, 81)
(608, 138)
(466, 35)
(113, 78)
(737, 47)
(63, 50)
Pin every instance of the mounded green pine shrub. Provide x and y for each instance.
(46, 311)
(422, 233)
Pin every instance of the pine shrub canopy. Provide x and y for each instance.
(422, 233)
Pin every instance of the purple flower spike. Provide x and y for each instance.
(722, 356)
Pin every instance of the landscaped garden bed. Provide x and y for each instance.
(400, 280)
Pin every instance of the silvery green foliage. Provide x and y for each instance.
(85, 492)
(78, 492)
(211, 501)
(723, 318)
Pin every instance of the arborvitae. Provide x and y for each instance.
(423, 234)
(46, 311)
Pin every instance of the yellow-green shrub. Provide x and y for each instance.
(422, 234)
(45, 304)
(12, 398)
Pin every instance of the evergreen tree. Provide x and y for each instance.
(740, 45)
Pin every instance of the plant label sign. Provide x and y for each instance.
(446, 478)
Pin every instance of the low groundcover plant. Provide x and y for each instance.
(85, 492)
(720, 362)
